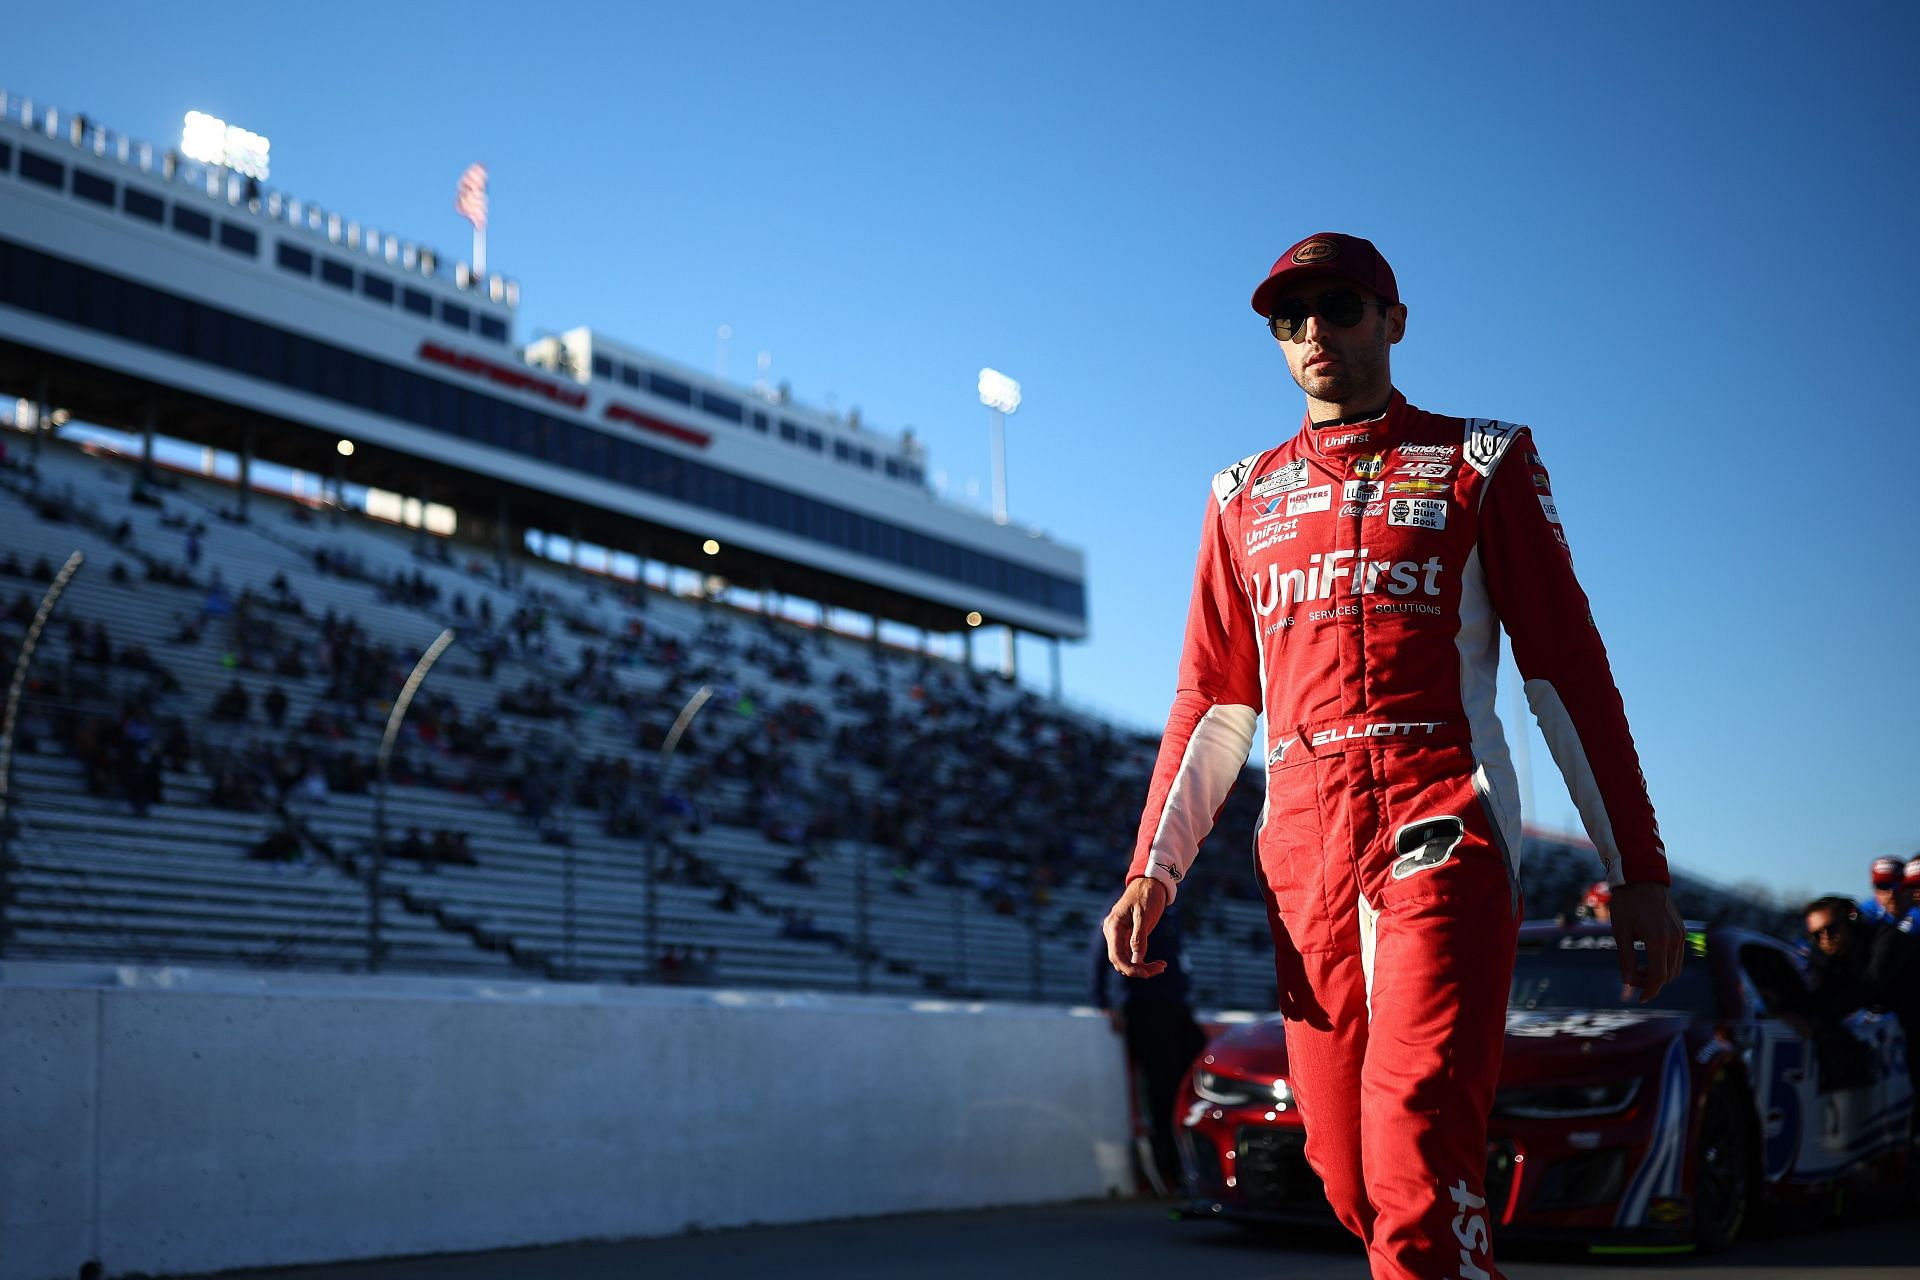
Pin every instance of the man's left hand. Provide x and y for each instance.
(1645, 913)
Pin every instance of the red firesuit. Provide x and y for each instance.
(1349, 583)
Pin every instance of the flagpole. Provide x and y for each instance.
(479, 249)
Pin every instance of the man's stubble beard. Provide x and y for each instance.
(1364, 375)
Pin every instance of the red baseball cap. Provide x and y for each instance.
(1599, 894)
(1328, 254)
(1913, 872)
(1886, 872)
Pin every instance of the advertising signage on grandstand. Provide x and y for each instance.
(126, 285)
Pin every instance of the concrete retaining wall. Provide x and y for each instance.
(178, 1121)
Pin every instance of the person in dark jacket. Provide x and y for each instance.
(1857, 963)
(1155, 1017)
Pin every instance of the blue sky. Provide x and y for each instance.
(1677, 240)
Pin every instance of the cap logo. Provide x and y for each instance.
(1316, 250)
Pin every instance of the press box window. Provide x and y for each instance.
(291, 258)
(93, 187)
(670, 388)
(602, 367)
(239, 239)
(139, 204)
(760, 422)
(493, 327)
(44, 170)
(337, 274)
(816, 441)
(421, 304)
(789, 432)
(6, 157)
(379, 288)
(630, 376)
(721, 407)
(457, 316)
(192, 222)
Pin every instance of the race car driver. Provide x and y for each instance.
(1349, 585)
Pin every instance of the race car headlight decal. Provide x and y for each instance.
(1556, 1101)
(1231, 1091)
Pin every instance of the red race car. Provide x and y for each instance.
(1621, 1126)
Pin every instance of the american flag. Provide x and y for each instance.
(471, 201)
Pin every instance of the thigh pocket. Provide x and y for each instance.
(1425, 844)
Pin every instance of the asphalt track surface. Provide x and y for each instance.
(1108, 1240)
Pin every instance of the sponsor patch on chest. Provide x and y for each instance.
(1319, 498)
(1418, 513)
(1291, 476)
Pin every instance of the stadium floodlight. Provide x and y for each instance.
(344, 448)
(711, 547)
(1002, 395)
(211, 140)
(999, 392)
(973, 618)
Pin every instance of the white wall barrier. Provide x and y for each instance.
(171, 1120)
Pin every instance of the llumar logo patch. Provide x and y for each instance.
(1316, 250)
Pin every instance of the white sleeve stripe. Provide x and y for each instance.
(1563, 740)
(1215, 752)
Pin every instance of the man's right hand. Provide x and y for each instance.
(1128, 925)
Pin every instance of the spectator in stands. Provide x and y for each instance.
(1156, 1019)
(234, 704)
(275, 705)
(1597, 903)
(312, 787)
(279, 844)
(1859, 963)
(729, 899)
(414, 849)
(1910, 923)
(1890, 900)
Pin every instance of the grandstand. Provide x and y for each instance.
(175, 885)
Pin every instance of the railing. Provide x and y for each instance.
(236, 190)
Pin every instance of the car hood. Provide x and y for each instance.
(1253, 1049)
(1549, 1042)
(1540, 1043)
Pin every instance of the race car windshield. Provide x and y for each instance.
(1583, 972)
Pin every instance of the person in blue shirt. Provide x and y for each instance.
(1155, 1017)
(1890, 898)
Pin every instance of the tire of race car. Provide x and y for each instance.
(1723, 1169)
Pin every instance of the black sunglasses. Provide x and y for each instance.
(1342, 308)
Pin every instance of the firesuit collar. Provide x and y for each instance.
(1373, 416)
(1355, 433)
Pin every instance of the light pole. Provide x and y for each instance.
(399, 713)
(650, 935)
(1001, 394)
(14, 690)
